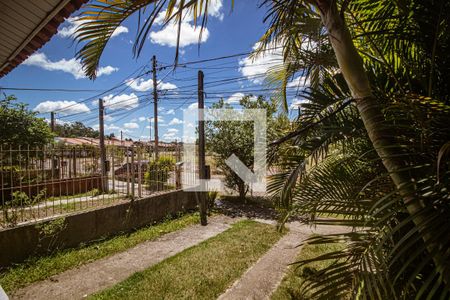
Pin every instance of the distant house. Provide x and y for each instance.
(85, 141)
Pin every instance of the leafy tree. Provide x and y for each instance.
(75, 129)
(224, 138)
(21, 127)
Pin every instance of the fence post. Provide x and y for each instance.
(139, 172)
(113, 173)
(101, 112)
(128, 171)
(74, 162)
(201, 150)
(133, 174)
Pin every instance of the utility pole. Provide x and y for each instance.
(201, 150)
(155, 107)
(52, 121)
(101, 113)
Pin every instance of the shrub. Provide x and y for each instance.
(158, 173)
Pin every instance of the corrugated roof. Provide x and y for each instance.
(26, 25)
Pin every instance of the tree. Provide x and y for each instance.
(225, 138)
(21, 127)
(388, 48)
(75, 129)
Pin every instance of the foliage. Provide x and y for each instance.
(394, 252)
(158, 172)
(211, 199)
(225, 138)
(75, 129)
(21, 127)
(20, 200)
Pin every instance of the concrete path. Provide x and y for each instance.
(263, 278)
(101, 274)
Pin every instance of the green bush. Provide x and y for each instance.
(158, 172)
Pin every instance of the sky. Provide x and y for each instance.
(129, 106)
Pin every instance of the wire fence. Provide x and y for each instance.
(37, 183)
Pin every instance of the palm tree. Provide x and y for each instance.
(379, 37)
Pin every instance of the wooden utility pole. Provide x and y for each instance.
(52, 121)
(201, 149)
(155, 107)
(101, 113)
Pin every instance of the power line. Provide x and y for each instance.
(218, 58)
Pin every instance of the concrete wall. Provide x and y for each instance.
(23, 241)
(57, 187)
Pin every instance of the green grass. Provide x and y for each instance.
(290, 286)
(201, 272)
(40, 268)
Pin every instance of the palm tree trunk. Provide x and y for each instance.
(352, 68)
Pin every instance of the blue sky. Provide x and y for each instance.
(128, 108)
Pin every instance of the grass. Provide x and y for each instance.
(290, 286)
(91, 193)
(40, 268)
(201, 272)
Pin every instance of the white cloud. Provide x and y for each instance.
(296, 102)
(189, 35)
(235, 98)
(192, 106)
(255, 69)
(58, 121)
(62, 107)
(170, 112)
(142, 119)
(167, 36)
(108, 117)
(160, 119)
(72, 66)
(131, 125)
(74, 22)
(111, 128)
(119, 30)
(214, 10)
(299, 82)
(170, 135)
(175, 121)
(142, 85)
(122, 101)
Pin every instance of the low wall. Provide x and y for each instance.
(57, 187)
(23, 241)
